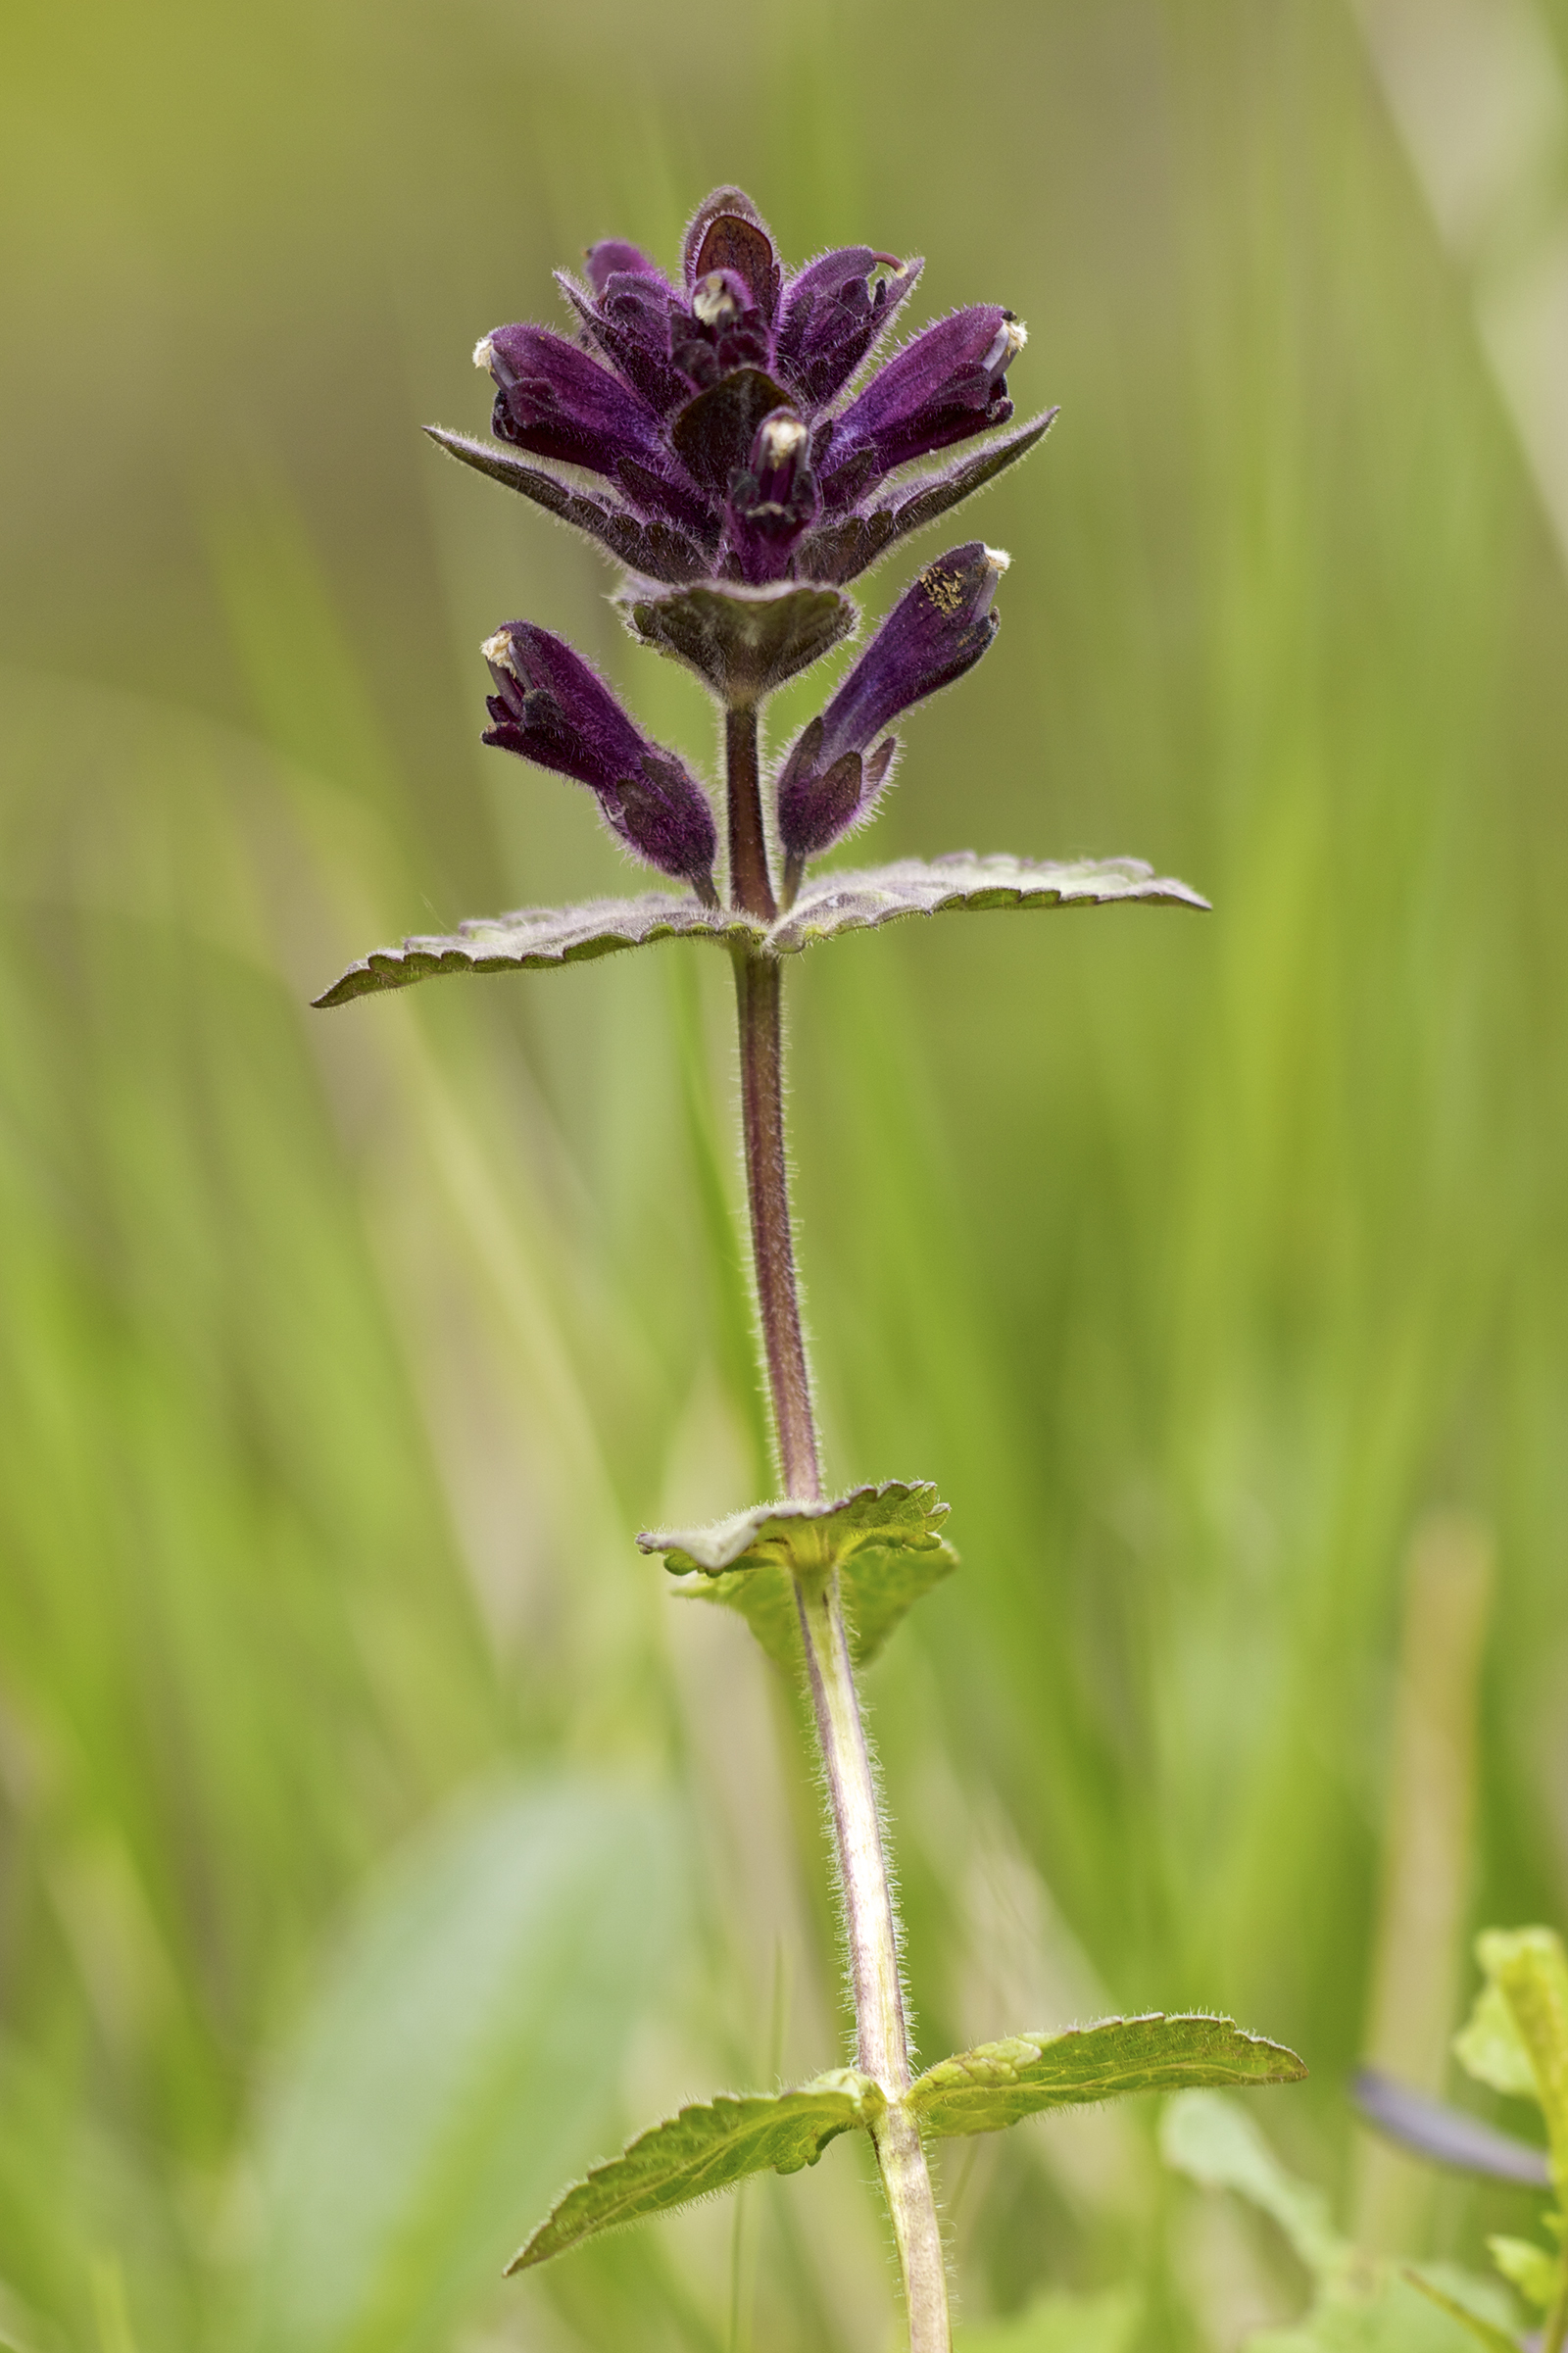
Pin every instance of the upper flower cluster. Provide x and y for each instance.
(741, 476)
(717, 414)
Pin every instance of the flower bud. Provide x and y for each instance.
(938, 629)
(548, 706)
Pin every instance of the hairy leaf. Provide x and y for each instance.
(703, 2149)
(655, 549)
(842, 550)
(534, 938)
(999, 2082)
(742, 642)
(883, 1540)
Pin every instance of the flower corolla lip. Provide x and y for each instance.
(551, 708)
(950, 384)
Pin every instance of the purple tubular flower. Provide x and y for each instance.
(938, 629)
(833, 313)
(950, 384)
(775, 499)
(553, 400)
(548, 706)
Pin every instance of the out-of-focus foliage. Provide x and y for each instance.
(344, 1352)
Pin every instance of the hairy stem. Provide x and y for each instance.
(871, 1929)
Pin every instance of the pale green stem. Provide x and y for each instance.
(871, 1923)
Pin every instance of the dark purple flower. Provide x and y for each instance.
(833, 314)
(555, 400)
(775, 499)
(936, 631)
(551, 709)
(950, 384)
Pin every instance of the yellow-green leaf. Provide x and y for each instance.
(703, 2149)
(999, 2082)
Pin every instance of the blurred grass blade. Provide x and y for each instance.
(998, 2083)
(1497, 2339)
(703, 2149)
(1218, 2145)
(463, 2054)
(1447, 2136)
(1062, 2324)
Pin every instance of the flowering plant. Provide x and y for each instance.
(714, 435)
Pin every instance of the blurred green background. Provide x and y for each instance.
(379, 1841)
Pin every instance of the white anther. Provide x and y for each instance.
(481, 351)
(712, 301)
(781, 438)
(998, 558)
(498, 649)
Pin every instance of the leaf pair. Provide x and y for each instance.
(536, 938)
(883, 1540)
(712, 2146)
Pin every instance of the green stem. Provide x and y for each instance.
(871, 1923)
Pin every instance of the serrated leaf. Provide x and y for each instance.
(536, 938)
(884, 1542)
(999, 2082)
(1530, 1968)
(1497, 2339)
(703, 2149)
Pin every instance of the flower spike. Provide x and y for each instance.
(939, 628)
(548, 706)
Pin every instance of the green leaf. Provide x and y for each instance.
(1060, 2323)
(1529, 1968)
(1497, 2339)
(995, 2084)
(742, 642)
(1216, 2144)
(1532, 2270)
(884, 1542)
(537, 938)
(464, 2053)
(705, 2149)
(1488, 2046)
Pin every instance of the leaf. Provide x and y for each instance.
(742, 642)
(1488, 2046)
(1216, 2144)
(841, 550)
(464, 2053)
(1490, 2334)
(655, 549)
(534, 938)
(883, 1540)
(1532, 2270)
(1060, 2323)
(998, 2083)
(705, 2149)
(865, 900)
(1529, 1968)
(1444, 2135)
